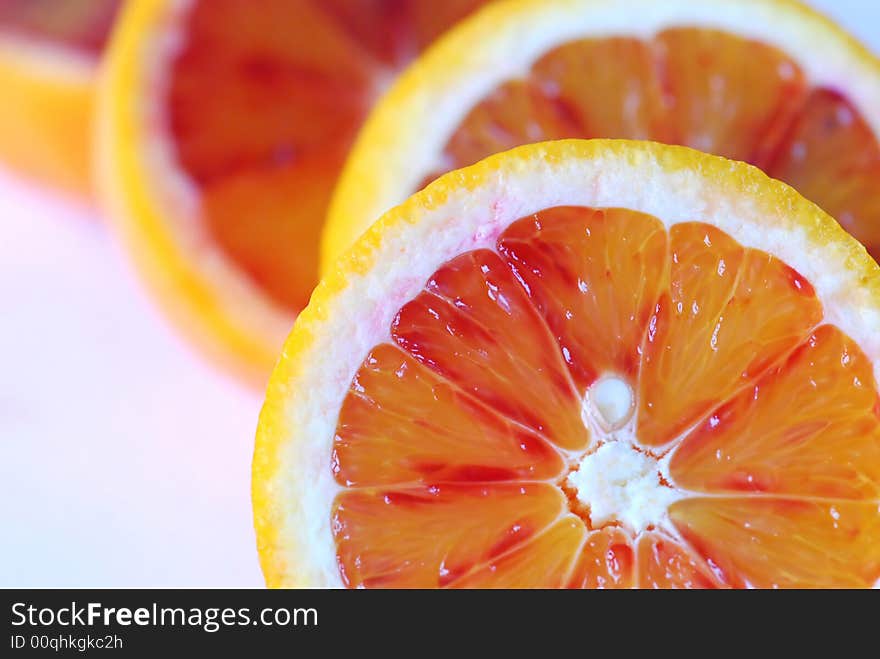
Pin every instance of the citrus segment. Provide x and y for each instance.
(665, 563)
(544, 562)
(778, 542)
(518, 112)
(253, 216)
(728, 313)
(595, 276)
(624, 96)
(826, 443)
(404, 423)
(432, 536)
(727, 95)
(832, 156)
(607, 560)
(475, 326)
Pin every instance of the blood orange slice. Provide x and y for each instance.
(49, 54)
(764, 81)
(223, 126)
(582, 364)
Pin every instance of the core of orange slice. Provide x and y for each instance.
(582, 364)
(49, 53)
(223, 126)
(765, 81)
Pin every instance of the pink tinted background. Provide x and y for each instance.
(125, 458)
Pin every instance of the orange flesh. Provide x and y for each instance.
(263, 104)
(455, 440)
(701, 88)
(83, 25)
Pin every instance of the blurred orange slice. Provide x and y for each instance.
(223, 126)
(769, 82)
(49, 54)
(582, 364)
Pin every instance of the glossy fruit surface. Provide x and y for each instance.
(582, 364)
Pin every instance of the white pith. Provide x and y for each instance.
(618, 481)
(621, 484)
(358, 317)
(503, 43)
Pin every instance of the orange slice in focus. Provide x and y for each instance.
(49, 55)
(223, 127)
(769, 82)
(582, 364)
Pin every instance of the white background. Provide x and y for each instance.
(124, 458)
